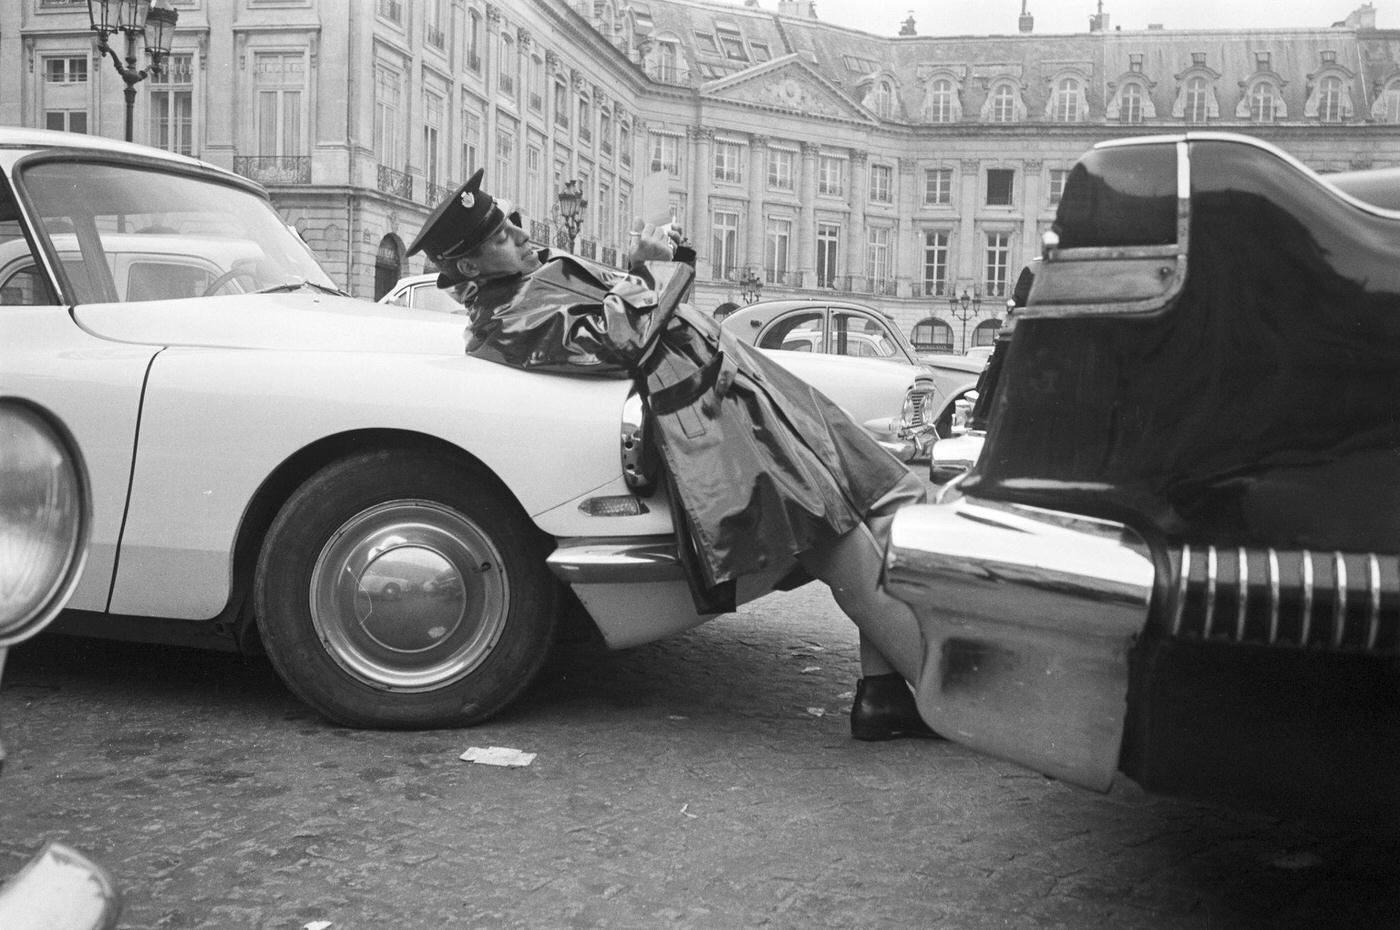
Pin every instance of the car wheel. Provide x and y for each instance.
(417, 658)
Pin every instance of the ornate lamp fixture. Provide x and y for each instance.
(569, 209)
(965, 308)
(153, 19)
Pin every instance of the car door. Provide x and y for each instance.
(92, 385)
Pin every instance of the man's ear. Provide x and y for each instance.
(467, 268)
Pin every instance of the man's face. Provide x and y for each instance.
(506, 252)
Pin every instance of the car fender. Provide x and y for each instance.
(216, 423)
(867, 389)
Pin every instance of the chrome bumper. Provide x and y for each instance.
(636, 590)
(951, 457)
(1027, 618)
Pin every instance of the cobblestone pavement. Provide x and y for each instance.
(704, 782)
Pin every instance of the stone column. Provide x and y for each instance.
(909, 251)
(856, 237)
(806, 244)
(758, 184)
(968, 266)
(1032, 196)
(701, 140)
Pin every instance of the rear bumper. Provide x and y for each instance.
(1028, 618)
(1266, 680)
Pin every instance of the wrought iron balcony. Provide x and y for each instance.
(391, 9)
(274, 169)
(399, 183)
(434, 194)
(506, 84)
(541, 232)
(436, 37)
(588, 248)
(610, 256)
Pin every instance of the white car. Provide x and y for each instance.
(267, 455)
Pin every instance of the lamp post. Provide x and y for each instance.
(155, 19)
(965, 308)
(750, 284)
(568, 210)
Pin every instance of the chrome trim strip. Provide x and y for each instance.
(1242, 599)
(1373, 610)
(1183, 581)
(1208, 623)
(1307, 597)
(1275, 597)
(1339, 603)
(636, 561)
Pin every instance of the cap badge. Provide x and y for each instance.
(467, 200)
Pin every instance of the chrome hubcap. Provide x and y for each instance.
(409, 595)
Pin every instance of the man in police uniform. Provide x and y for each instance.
(761, 467)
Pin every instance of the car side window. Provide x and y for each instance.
(803, 327)
(24, 284)
(165, 281)
(859, 335)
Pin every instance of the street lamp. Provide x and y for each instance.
(750, 284)
(965, 308)
(155, 19)
(569, 209)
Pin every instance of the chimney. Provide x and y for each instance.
(1027, 22)
(799, 9)
(1099, 21)
(1363, 17)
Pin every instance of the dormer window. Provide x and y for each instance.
(1135, 62)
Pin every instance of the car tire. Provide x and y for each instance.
(418, 660)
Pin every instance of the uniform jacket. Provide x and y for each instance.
(761, 465)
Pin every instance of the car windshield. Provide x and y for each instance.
(124, 232)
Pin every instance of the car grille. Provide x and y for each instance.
(1332, 601)
(919, 403)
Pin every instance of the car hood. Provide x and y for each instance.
(974, 364)
(301, 321)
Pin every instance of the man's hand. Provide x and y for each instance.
(651, 243)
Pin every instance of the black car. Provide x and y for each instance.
(1177, 555)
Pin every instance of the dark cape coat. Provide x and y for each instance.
(761, 465)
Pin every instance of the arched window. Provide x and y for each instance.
(1386, 109)
(1003, 104)
(667, 60)
(941, 102)
(1130, 104)
(506, 72)
(1198, 99)
(1263, 102)
(1329, 99)
(388, 265)
(884, 99)
(986, 332)
(1066, 101)
(932, 335)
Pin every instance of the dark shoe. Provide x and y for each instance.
(884, 709)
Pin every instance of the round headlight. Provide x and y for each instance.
(43, 519)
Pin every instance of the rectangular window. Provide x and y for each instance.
(997, 264)
(935, 263)
(938, 186)
(881, 183)
(471, 142)
(605, 209)
(535, 77)
(534, 176)
(724, 243)
(66, 70)
(1000, 184)
(171, 97)
(760, 51)
(877, 258)
(781, 166)
(1057, 183)
(280, 82)
(665, 153)
(472, 58)
(705, 42)
(585, 121)
(432, 139)
(733, 48)
(828, 245)
(831, 176)
(775, 250)
(729, 162)
(66, 120)
(505, 157)
(433, 30)
(561, 105)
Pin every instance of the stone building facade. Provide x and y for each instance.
(904, 172)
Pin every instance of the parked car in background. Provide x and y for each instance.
(842, 328)
(268, 457)
(421, 292)
(1178, 555)
(894, 402)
